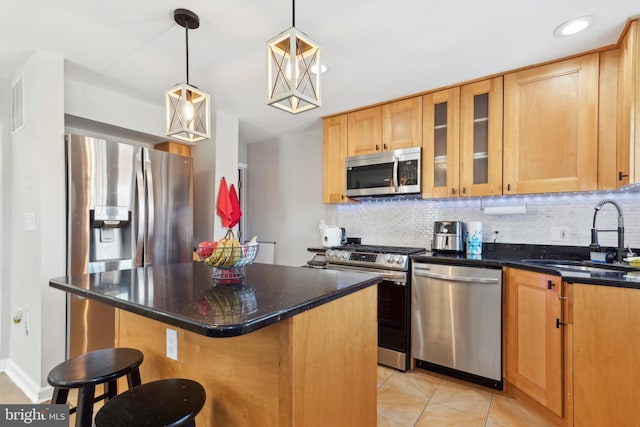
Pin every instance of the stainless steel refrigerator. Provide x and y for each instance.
(127, 206)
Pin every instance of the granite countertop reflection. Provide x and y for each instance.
(185, 295)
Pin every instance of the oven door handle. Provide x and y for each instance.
(449, 278)
(386, 275)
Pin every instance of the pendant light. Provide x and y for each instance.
(291, 59)
(187, 107)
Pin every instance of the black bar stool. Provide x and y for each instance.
(86, 371)
(172, 403)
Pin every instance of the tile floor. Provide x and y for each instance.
(420, 398)
(413, 399)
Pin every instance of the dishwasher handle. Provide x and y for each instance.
(447, 277)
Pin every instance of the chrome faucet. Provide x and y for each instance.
(594, 231)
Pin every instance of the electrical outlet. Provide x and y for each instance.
(499, 234)
(559, 233)
(172, 344)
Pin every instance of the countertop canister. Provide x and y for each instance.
(474, 238)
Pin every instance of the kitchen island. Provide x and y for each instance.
(283, 346)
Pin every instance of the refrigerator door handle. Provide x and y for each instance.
(141, 209)
(148, 256)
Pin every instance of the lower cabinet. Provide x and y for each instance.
(534, 337)
(606, 350)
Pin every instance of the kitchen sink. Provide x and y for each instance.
(581, 266)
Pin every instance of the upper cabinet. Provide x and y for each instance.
(462, 140)
(551, 127)
(628, 159)
(402, 124)
(365, 131)
(387, 127)
(440, 143)
(335, 152)
(481, 138)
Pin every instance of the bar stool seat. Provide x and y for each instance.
(171, 402)
(86, 371)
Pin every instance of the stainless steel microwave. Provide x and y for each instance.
(390, 173)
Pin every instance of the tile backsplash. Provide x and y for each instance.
(547, 217)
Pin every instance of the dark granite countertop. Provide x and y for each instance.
(539, 258)
(185, 295)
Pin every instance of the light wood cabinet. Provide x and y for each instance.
(481, 138)
(391, 126)
(606, 333)
(334, 152)
(365, 131)
(533, 336)
(628, 132)
(551, 127)
(462, 140)
(174, 147)
(402, 124)
(607, 122)
(441, 143)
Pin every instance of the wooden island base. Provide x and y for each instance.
(317, 368)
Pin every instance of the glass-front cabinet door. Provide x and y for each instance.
(440, 143)
(481, 138)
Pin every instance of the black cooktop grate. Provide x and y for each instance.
(379, 249)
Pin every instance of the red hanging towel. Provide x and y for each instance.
(225, 209)
(236, 213)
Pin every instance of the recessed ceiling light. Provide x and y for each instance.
(573, 26)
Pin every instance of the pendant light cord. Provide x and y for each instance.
(186, 29)
(293, 12)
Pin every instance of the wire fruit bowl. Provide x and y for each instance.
(228, 261)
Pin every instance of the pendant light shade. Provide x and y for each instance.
(187, 107)
(291, 57)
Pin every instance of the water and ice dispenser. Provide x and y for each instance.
(111, 234)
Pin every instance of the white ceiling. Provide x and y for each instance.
(376, 49)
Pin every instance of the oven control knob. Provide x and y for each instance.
(345, 255)
(329, 253)
(389, 259)
(399, 259)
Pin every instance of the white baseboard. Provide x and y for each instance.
(24, 382)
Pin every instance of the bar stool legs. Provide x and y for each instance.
(90, 369)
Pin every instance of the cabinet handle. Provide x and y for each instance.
(560, 297)
(377, 147)
(464, 190)
(621, 176)
(508, 187)
(453, 190)
(550, 284)
(558, 323)
(384, 147)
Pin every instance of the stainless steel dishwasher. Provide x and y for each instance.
(456, 321)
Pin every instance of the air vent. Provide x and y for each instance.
(17, 105)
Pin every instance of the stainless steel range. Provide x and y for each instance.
(392, 263)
